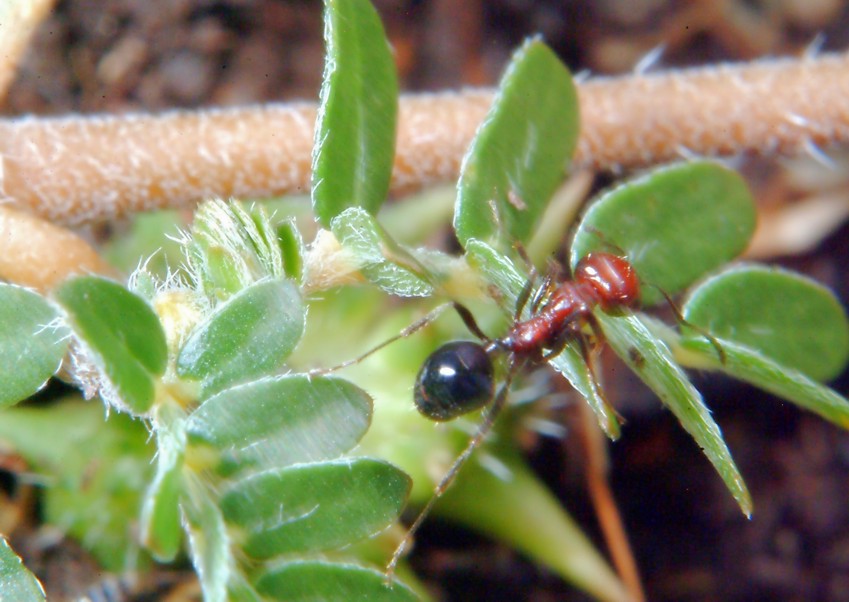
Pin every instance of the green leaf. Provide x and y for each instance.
(762, 371)
(31, 348)
(573, 366)
(674, 224)
(123, 334)
(282, 420)
(355, 129)
(310, 507)
(246, 337)
(17, 584)
(498, 270)
(315, 581)
(240, 590)
(520, 153)
(786, 317)
(161, 528)
(209, 543)
(291, 249)
(95, 470)
(652, 361)
(380, 259)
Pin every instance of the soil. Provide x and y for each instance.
(689, 538)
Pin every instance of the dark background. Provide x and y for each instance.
(689, 538)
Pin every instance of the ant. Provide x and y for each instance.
(458, 378)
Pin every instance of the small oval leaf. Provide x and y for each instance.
(123, 333)
(282, 420)
(762, 371)
(784, 316)
(312, 507)
(355, 130)
(520, 152)
(330, 582)
(246, 337)
(380, 259)
(652, 361)
(32, 343)
(674, 224)
(17, 584)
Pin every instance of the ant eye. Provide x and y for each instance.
(454, 380)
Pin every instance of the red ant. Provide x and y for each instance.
(457, 378)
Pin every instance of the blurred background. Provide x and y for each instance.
(690, 541)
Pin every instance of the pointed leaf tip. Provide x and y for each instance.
(520, 153)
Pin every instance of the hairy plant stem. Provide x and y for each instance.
(78, 169)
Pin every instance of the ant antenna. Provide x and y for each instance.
(483, 430)
(465, 314)
(606, 241)
(683, 321)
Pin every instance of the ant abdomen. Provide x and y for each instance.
(454, 380)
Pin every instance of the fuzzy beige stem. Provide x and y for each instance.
(769, 106)
(73, 170)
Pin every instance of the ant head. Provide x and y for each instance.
(612, 279)
(454, 380)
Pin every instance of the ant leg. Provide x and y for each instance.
(552, 276)
(412, 328)
(443, 485)
(683, 321)
(470, 322)
(586, 354)
(559, 345)
(543, 291)
(526, 259)
(465, 315)
(524, 296)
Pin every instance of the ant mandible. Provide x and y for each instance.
(458, 377)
